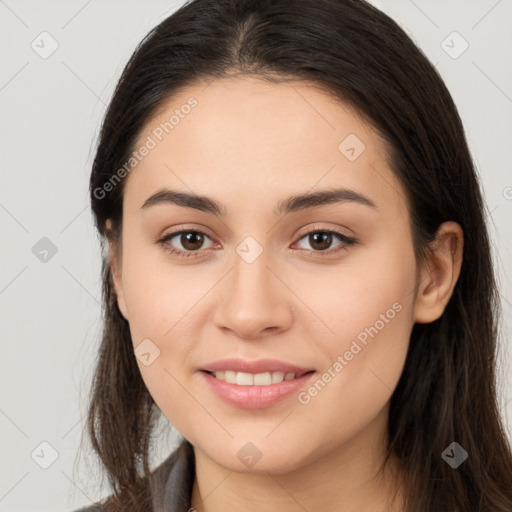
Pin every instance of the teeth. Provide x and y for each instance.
(249, 379)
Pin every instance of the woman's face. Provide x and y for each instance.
(270, 278)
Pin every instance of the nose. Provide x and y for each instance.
(253, 301)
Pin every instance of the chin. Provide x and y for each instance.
(258, 458)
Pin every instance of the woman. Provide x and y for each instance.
(298, 273)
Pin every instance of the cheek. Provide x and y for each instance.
(160, 303)
(164, 303)
(371, 288)
(157, 293)
(370, 307)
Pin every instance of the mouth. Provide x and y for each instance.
(255, 379)
(255, 390)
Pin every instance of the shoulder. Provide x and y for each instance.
(171, 482)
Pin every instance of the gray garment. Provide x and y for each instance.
(173, 482)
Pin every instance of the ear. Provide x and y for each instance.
(439, 275)
(116, 270)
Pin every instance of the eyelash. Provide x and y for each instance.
(347, 242)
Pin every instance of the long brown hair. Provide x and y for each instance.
(447, 391)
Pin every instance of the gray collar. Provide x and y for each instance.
(173, 480)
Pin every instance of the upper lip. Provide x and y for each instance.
(258, 366)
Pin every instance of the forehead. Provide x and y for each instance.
(241, 138)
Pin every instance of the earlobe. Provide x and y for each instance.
(440, 275)
(116, 274)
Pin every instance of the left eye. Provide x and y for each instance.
(323, 240)
(192, 241)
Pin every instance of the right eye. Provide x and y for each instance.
(190, 239)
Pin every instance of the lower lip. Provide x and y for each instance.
(255, 397)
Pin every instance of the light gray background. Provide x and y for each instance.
(51, 112)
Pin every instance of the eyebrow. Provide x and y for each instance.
(292, 204)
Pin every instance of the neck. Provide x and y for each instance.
(344, 479)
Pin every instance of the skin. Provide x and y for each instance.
(249, 144)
